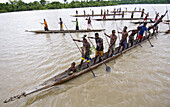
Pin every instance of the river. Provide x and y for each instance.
(139, 78)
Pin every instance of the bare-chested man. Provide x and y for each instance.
(155, 26)
(123, 41)
(113, 39)
(99, 47)
(85, 51)
(131, 36)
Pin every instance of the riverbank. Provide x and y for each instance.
(13, 6)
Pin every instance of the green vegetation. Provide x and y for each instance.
(19, 5)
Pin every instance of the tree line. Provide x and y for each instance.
(19, 5)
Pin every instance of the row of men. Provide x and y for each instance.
(61, 24)
(119, 10)
(46, 25)
(89, 22)
(113, 38)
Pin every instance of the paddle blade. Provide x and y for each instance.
(108, 69)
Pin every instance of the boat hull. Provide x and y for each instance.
(65, 31)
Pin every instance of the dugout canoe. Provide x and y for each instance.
(126, 11)
(112, 19)
(65, 31)
(141, 22)
(166, 20)
(64, 76)
(93, 15)
(166, 32)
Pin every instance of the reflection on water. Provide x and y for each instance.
(138, 78)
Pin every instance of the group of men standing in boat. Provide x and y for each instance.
(46, 25)
(113, 38)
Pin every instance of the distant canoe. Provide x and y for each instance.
(166, 20)
(65, 31)
(166, 32)
(140, 22)
(112, 19)
(126, 11)
(93, 15)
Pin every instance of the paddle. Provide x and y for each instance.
(149, 40)
(80, 51)
(105, 35)
(108, 69)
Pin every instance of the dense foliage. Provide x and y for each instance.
(19, 5)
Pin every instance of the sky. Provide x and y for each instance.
(27, 1)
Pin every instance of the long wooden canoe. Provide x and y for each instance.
(140, 22)
(65, 31)
(126, 11)
(94, 15)
(112, 19)
(63, 77)
(166, 32)
(166, 20)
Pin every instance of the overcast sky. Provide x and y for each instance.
(27, 1)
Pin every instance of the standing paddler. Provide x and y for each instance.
(156, 17)
(114, 14)
(104, 15)
(84, 12)
(146, 17)
(155, 26)
(88, 23)
(123, 41)
(135, 9)
(77, 24)
(85, 51)
(61, 24)
(92, 12)
(131, 36)
(113, 39)
(76, 12)
(132, 14)
(141, 32)
(101, 12)
(123, 13)
(142, 13)
(99, 47)
(107, 11)
(45, 25)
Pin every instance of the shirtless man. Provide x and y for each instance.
(132, 14)
(156, 17)
(113, 39)
(155, 26)
(146, 17)
(131, 36)
(99, 47)
(123, 41)
(104, 16)
(123, 13)
(85, 51)
(142, 13)
(61, 24)
(88, 23)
